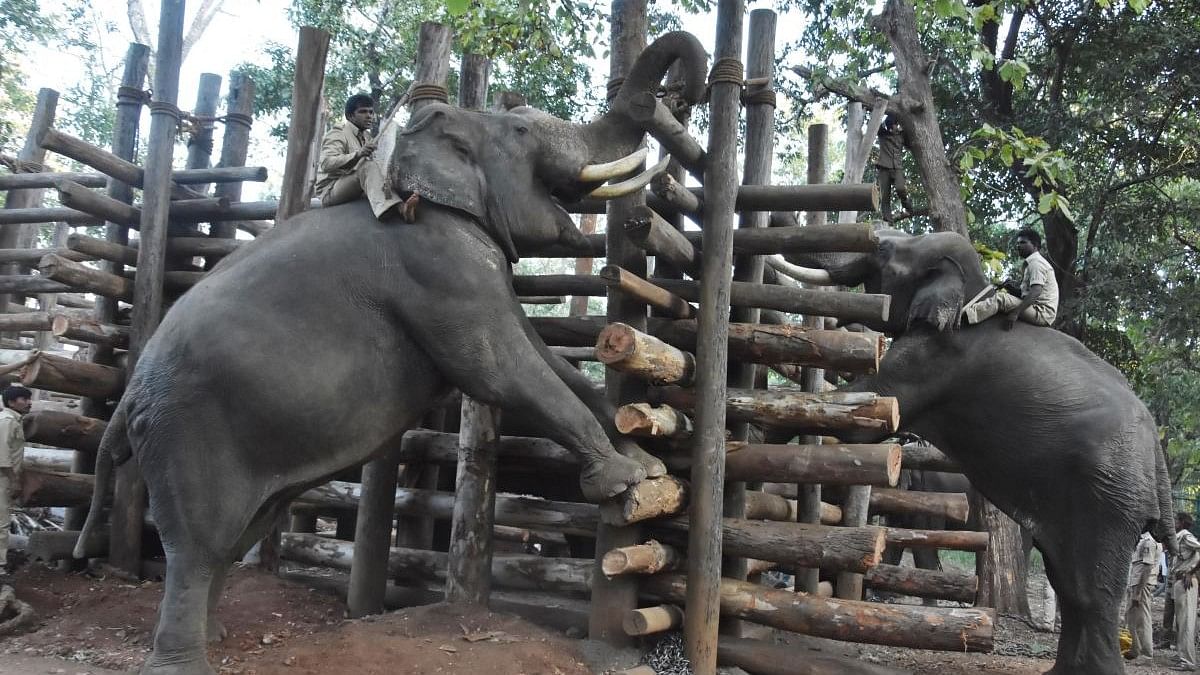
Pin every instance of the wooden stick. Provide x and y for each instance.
(645, 420)
(650, 620)
(623, 348)
(947, 629)
(648, 558)
(84, 278)
(953, 506)
(637, 287)
(651, 498)
(66, 376)
(789, 408)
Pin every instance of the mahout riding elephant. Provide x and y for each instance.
(318, 345)
(1045, 429)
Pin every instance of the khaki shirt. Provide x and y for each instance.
(337, 155)
(891, 149)
(1038, 271)
(12, 440)
(1145, 561)
(1189, 554)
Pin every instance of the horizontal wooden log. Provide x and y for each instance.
(63, 430)
(78, 276)
(66, 376)
(30, 256)
(947, 629)
(517, 572)
(650, 232)
(512, 510)
(127, 255)
(651, 620)
(647, 421)
(677, 197)
(47, 214)
(48, 545)
(71, 327)
(754, 198)
(75, 196)
(105, 162)
(653, 115)
(766, 658)
(575, 353)
(636, 287)
(836, 464)
(651, 557)
(795, 409)
(540, 454)
(954, 540)
(927, 458)
(521, 535)
(25, 321)
(542, 299)
(48, 460)
(51, 488)
(919, 583)
(849, 549)
(651, 498)
(74, 300)
(628, 350)
(953, 506)
(24, 284)
(50, 179)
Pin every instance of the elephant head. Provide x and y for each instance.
(510, 171)
(929, 276)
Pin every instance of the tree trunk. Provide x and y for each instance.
(1002, 569)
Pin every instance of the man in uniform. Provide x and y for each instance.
(889, 167)
(1143, 573)
(1183, 590)
(1038, 301)
(341, 151)
(17, 401)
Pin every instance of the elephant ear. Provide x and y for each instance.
(938, 299)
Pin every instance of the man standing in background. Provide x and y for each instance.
(17, 401)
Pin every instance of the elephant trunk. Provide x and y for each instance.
(613, 134)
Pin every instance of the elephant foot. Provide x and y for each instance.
(610, 477)
(196, 666)
(216, 630)
(654, 466)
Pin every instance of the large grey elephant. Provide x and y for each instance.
(317, 346)
(1045, 429)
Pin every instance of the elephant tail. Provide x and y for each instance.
(1164, 528)
(114, 451)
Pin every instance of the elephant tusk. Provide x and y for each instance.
(593, 173)
(808, 275)
(631, 185)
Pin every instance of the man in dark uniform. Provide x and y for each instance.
(889, 165)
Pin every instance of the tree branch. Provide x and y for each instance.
(854, 91)
(137, 22)
(204, 16)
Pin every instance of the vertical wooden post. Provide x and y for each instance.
(295, 192)
(469, 575)
(124, 144)
(583, 266)
(373, 532)
(239, 108)
(854, 514)
(613, 598)
(200, 144)
(760, 143)
(31, 156)
(48, 301)
(708, 452)
(809, 494)
(129, 505)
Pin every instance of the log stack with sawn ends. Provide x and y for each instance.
(765, 528)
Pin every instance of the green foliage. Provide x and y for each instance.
(21, 22)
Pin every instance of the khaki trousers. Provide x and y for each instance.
(345, 189)
(1185, 621)
(1137, 618)
(5, 516)
(1001, 301)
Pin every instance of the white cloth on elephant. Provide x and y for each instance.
(1036, 272)
(1142, 572)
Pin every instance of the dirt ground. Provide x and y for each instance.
(89, 624)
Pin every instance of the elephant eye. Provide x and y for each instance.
(522, 129)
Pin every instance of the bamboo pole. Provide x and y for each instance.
(306, 100)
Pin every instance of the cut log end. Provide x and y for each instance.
(894, 459)
(651, 498)
(616, 343)
(651, 620)
(649, 558)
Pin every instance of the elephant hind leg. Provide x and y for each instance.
(259, 527)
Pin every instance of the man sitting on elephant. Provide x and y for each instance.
(1038, 300)
(341, 151)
